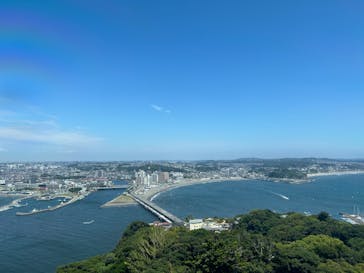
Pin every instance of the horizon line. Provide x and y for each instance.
(182, 160)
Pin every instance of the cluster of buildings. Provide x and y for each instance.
(58, 178)
(145, 179)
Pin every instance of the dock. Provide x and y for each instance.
(157, 210)
(352, 218)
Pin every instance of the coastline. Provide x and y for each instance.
(314, 175)
(61, 205)
(152, 193)
(14, 203)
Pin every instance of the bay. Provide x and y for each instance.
(41, 242)
(333, 194)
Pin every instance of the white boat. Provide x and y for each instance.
(307, 213)
(281, 195)
(88, 222)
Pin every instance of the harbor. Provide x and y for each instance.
(15, 203)
(353, 219)
(61, 205)
(65, 199)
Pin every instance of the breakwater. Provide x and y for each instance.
(61, 205)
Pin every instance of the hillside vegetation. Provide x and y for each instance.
(261, 241)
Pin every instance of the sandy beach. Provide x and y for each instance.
(154, 192)
(120, 201)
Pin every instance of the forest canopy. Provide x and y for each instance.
(261, 241)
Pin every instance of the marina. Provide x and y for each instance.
(355, 218)
(65, 199)
(60, 205)
(15, 204)
(352, 218)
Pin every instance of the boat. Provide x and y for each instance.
(354, 218)
(281, 195)
(307, 213)
(88, 222)
(284, 197)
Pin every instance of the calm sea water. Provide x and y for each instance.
(41, 242)
(5, 200)
(332, 194)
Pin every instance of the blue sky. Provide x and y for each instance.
(129, 80)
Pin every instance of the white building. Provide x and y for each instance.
(194, 224)
(154, 178)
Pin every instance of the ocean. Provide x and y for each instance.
(333, 194)
(41, 242)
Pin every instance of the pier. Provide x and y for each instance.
(158, 211)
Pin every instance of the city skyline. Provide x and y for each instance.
(181, 81)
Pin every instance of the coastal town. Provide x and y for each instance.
(73, 181)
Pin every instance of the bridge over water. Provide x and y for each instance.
(158, 211)
(115, 187)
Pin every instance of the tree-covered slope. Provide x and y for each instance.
(260, 241)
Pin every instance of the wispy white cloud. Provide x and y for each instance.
(56, 137)
(3, 149)
(32, 125)
(157, 108)
(160, 109)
